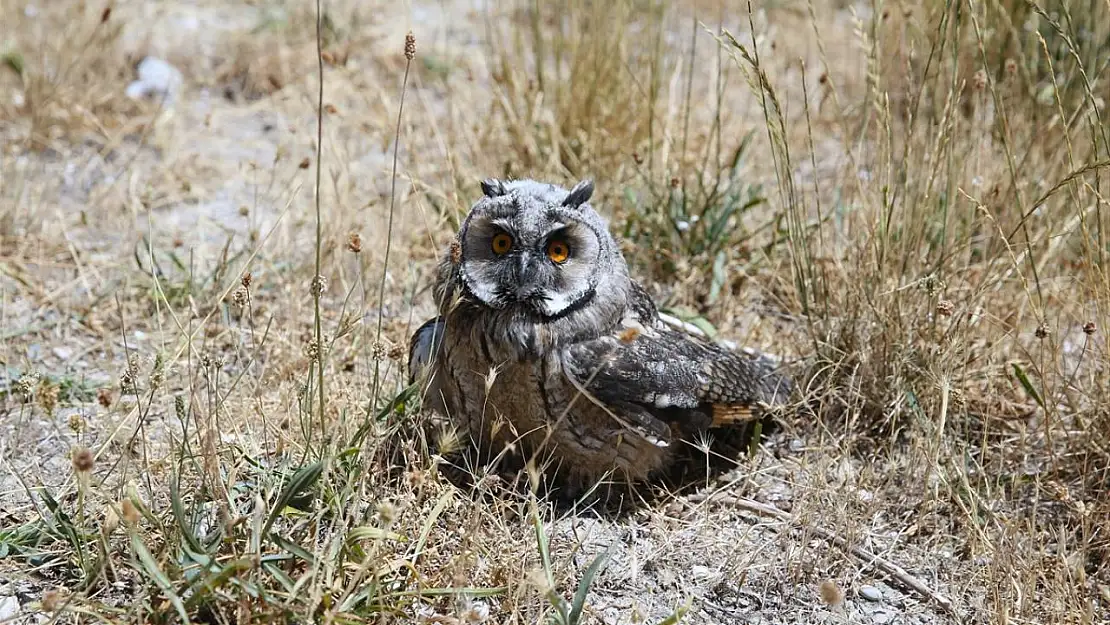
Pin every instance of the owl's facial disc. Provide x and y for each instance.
(541, 263)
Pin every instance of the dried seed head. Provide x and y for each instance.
(456, 252)
(1011, 68)
(240, 298)
(305, 163)
(416, 478)
(157, 373)
(312, 350)
(104, 397)
(319, 286)
(675, 182)
(76, 423)
(82, 460)
(932, 284)
(831, 594)
(387, 512)
(179, 407)
(447, 441)
(330, 109)
(491, 377)
(47, 396)
(396, 352)
(945, 308)
(129, 380)
(1042, 331)
(979, 80)
(379, 350)
(52, 600)
(111, 520)
(245, 280)
(25, 387)
(1089, 328)
(410, 46)
(129, 511)
(354, 243)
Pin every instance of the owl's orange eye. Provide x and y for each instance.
(558, 251)
(502, 243)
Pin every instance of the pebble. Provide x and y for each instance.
(157, 80)
(882, 618)
(870, 593)
(9, 608)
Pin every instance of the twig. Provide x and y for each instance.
(892, 569)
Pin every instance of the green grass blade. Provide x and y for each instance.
(587, 580)
(177, 506)
(1027, 384)
(155, 572)
(301, 481)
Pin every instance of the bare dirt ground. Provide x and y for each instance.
(955, 420)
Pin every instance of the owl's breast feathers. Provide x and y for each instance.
(657, 373)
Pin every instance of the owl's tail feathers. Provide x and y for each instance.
(774, 388)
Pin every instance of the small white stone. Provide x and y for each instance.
(703, 572)
(9, 608)
(157, 79)
(870, 593)
(882, 617)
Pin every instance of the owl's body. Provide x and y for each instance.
(546, 346)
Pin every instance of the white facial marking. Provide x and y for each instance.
(558, 302)
(482, 289)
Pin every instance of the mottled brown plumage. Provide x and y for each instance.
(570, 361)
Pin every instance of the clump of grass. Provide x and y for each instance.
(64, 83)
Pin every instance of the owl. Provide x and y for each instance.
(546, 347)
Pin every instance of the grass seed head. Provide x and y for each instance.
(387, 512)
(83, 460)
(354, 243)
(319, 286)
(26, 385)
(831, 593)
(52, 600)
(945, 308)
(47, 396)
(1089, 328)
(410, 46)
(1041, 331)
(129, 511)
(456, 252)
(379, 350)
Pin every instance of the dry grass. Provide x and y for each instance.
(905, 200)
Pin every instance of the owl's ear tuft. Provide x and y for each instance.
(493, 187)
(580, 194)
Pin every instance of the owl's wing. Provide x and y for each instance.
(676, 377)
(423, 346)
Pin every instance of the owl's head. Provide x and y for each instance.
(541, 261)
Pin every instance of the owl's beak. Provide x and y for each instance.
(526, 286)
